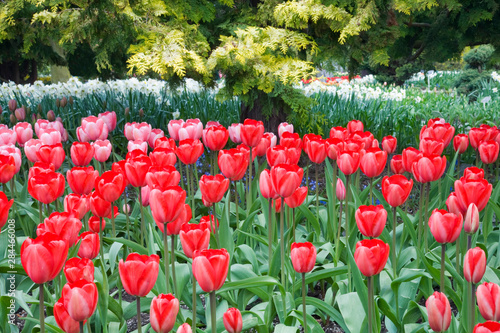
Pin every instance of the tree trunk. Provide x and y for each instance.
(257, 112)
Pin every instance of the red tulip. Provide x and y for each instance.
(163, 312)
(348, 161)
(445, 226)
(410, 155)
(233, 163)
(438, 311)
(174, 126)
(102, 150)
(334, 147)
(82, 153)
(136, 169)
(373, 162)
(488, 300)
(438, 131)
(308, 137)
(338, 133)
(474, 265)
(389, 144)
(371, 256)
(428, 168)
(191, 129)
(163, 157)
(430, 146)
(488, 151)
(286, 178)
(76, 204)
(174, 227)
(139, 273)
(120, 167)
(297, 198)
(397, 165)
(277, 155)
(268, 140)
(95, 224)
(473, 191)
(51, 154)
(476, 136)
(184, 328)
(194, 237)
(64, 225)
(161, 177)
(50, 136)
(79, 269)
(99, 206)
(316, 150)
(89, 245)
(454, 205)
(92, 129)
(213, 188)
(43, 257)
(46, 187)
(291, 140)
(266, 185)
(303, 257)
(355, 126)
(63, 320)
(471, 221)
(252, 132)
(473, 173)
(210, 268)
(211, 220)
(233, 321)
(7, 168)
(396, 189)
(487, 327)
(80, 299)
(81, 180)
(5, 205)
(277, 204)
(189, 151)
(166, 204)
(155, 135)
(109, 118)
(365, 137)
(371, 220)
(40, 167)
(110, 185)
(30, 149)
(215, 137)
(460, 143)
(145, 192)
(284, 128)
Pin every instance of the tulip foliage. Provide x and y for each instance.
(199, 227)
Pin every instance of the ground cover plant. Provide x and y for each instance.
(130, 220)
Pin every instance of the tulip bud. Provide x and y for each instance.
(474, 265)
(58, 103)
(340, 190)
(104, 105)
(184, 328)
(12, 105)
(233, 321)
(163, 311)
(64, 102)
(127, 111)
(126, 208)
(39, 108)
(471, 222)
(303, 257)
(51, 116)
(438, 311)
(141, 112)
(486, 327)
(13, 119)
(20, 114)
(488, 300)
(71, 100)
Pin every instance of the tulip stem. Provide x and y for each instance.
(81, 326)
(421, 215)
(213, 308)
(426, 219)
(237, 202)
(113, 221)
(101, 248)
(249, 195)
(393, 248)
(469, 241)
(165, 255)
(369, 283)
(443, 254)
(371, 191)
(457, 254)
(334, 198)
(339, 229)
(193, 192)
(347, 227)
(142, 216)
(270, 236)
(182, 177)
(215, 227)
(42, 310)
(304, 315)
(293, 226)
(127, 217)
(282, 243)
(193, 325)
(472, 307)
(174, 280)
(139, 324)
(317, 189)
